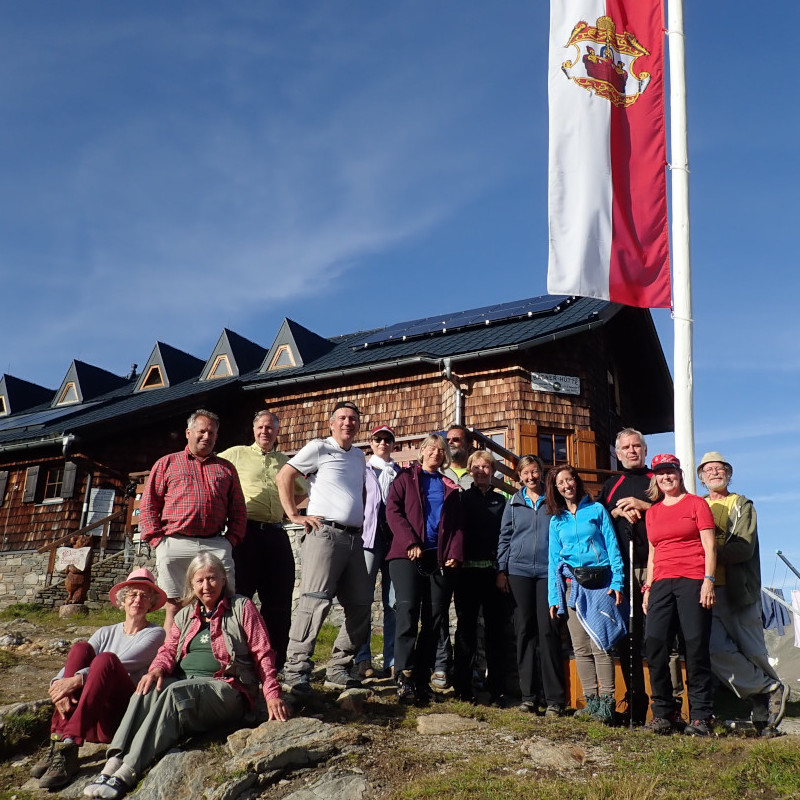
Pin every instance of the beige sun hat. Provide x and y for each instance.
(708, 458)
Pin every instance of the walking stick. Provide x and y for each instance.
(630, 633)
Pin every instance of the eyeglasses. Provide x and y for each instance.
(710, 470)
(132, 593)
(385, 439)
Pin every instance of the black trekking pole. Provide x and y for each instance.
(631, 643)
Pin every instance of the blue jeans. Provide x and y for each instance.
(375, 561)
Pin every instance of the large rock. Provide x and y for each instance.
(546, 755)
(179, 776)
(341, 785)
(281, 745)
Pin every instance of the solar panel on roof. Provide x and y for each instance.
(40, 417)
(464, 319)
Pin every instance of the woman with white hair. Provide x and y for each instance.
(91, 692)
(423, 510)
(205, 677)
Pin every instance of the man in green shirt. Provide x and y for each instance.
(264, 560)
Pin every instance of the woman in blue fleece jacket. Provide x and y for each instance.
(582, 535)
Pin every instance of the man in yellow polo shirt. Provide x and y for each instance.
(264, 560)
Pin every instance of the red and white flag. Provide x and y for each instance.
(607, 182)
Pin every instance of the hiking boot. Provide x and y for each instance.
(440, 679)
(589, 709)
(365, 669)
(673, 723)
(43, 764)
(554, 710)
(604, 709)
(340, 679)
(63, 766)
(298, 686)
(778, 698)
(699, 727)
(528, 707)
(405, 688)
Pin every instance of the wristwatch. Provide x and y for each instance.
(709, 578)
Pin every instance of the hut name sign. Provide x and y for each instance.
(561, 384)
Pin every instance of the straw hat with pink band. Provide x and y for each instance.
(140, 579)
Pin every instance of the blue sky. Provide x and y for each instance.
(170, 169)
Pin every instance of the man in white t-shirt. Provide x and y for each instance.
(331, 555)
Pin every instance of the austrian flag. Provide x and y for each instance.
(607, 175)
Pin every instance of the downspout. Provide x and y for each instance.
(447, 363)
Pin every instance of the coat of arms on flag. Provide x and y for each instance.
(605, 61)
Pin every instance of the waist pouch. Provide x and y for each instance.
(592, 577)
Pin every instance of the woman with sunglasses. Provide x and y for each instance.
(679, 593)
(423, 510)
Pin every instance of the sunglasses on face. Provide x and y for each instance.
(385, 439)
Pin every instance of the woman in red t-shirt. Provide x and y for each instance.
(679, 594)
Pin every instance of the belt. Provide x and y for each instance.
(339, 527)
(263, 526)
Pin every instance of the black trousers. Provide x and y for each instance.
(475, 589)
(265, 564)
(539, 658)
(422, 606)
(675, 605)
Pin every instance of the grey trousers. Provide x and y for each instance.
(595, 666)
(739, 657)
(331, 565)
(156, 721)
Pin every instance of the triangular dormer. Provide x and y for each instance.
(294, 346)
(233, 356)
(17, 395)
(84, 382)
(167, 366)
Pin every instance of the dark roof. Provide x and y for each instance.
(349, 352)
(89, 381)
(19, 395)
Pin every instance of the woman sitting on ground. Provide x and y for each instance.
(679, 592)
(423, 510)
(584, 552)
(91, 692)
(522, 559)
(216, 653)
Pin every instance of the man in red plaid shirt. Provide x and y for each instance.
(192, 503)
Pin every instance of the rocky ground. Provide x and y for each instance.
(357, 745)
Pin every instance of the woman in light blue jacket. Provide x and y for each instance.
(522, 557)
(582, 536)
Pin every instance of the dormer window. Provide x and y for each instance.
(3, 410)
(221, 368)
(154, 379)
(69, 395)
(283, 358)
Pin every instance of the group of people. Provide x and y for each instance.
(437, 531)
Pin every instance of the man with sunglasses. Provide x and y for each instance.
(377, 538)
(459, 440)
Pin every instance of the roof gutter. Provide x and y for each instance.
(49, 441)
(444, 363)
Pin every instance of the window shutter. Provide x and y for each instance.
(528, 439)
(68, 481)
(3, 484)
(31, 479)
(585, 450)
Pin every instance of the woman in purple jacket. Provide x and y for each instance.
(423, 510)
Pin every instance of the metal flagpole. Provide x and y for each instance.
(682, 367)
